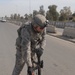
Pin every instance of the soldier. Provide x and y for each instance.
(31, 36)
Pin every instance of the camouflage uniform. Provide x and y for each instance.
(25, 45)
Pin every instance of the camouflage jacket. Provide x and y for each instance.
(28, 40)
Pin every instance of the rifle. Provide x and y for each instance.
(39, 65)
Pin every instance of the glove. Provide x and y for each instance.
(39, 52)
(30, 70)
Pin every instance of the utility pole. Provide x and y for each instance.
(29, 6)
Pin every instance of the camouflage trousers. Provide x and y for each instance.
(20, 62)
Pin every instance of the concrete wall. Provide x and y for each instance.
(60, 24)
(51, 29)
(69, 32)
(16, 22)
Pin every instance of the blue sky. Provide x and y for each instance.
(22, 7)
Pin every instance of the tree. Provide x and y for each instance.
(52, 13)
(12, 16)
(18, 16)
(35, 12)
(62, 16)
(22, 19)
(65, 13)
(30, 17)
(26, 17)
(15, 16)
(49, 16)
(42, 11)
(6, 17)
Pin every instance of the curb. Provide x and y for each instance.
(62, 37)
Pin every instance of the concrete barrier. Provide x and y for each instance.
(60, 24)
(69, 32)
(16, 22)
(51, 29)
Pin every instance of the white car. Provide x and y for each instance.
(3, 20)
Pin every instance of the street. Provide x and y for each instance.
(58, 56)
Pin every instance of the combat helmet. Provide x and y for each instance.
(39, 20)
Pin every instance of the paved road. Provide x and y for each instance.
(59, 55)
